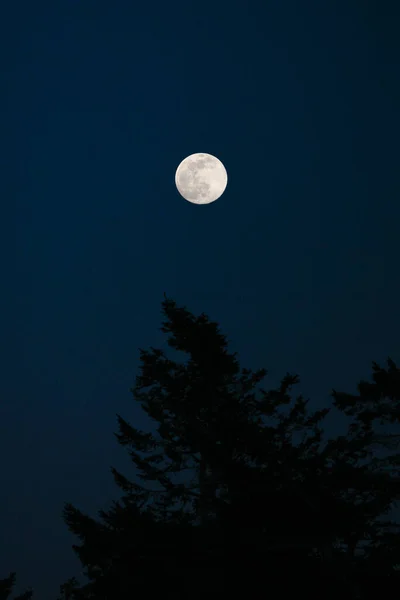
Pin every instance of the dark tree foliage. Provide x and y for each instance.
(70, 589)
(370, 454)
(7, 586)
(235, 484)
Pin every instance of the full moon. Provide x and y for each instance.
(201, 178)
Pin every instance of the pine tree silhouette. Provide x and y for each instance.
(7, 586)
(235, 484)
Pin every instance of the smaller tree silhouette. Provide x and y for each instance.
(368, 460)
(7, 586)
(68, 589)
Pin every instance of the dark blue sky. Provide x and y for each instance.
(298, 260)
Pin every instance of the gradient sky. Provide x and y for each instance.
(298, 260)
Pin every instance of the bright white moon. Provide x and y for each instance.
(201, 178)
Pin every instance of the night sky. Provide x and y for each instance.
(298, 260)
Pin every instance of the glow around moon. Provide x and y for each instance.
(201, 178)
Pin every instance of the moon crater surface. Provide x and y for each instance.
(201, 178)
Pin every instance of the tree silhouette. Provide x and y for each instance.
(368, 458)
(235, 477)
(7, 586)
(68, 589)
